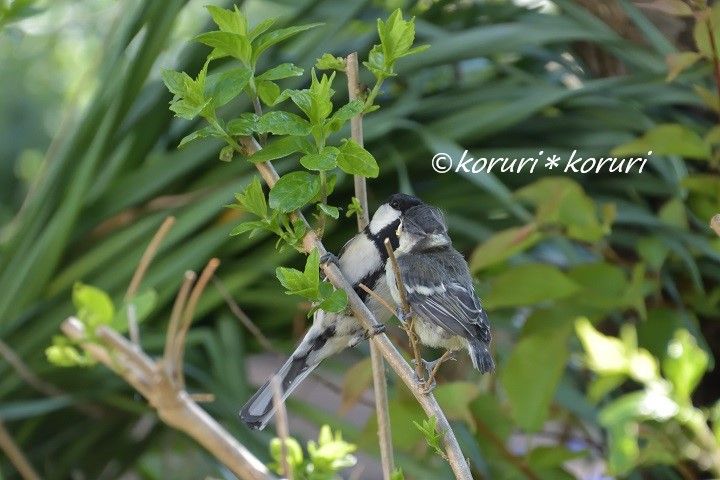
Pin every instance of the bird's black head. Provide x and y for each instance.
(402, 202)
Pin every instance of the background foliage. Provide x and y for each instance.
(603, 290)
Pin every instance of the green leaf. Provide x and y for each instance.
(503, 245)
(679, 62)
(528, 284)
(355, 160)
(267, 40)
(62, 353)
(667, 139)
(345, 113)
(143, 304)
(93, 306)
(312, 270)
(225, 86)
(252, 199)
(701, 33)
(354, 208)
(295, 282)
(329, 62)
(604, 354)
(250, 226)
(205, 132)
(335, 302)
(282, 123)
(293, 191)
(329, 210)
(261, 28)
(226, 153)
(536, 364)
(176, 82)
(323, 161)
(684, 365)
(280, 148)
(320, 93)
(268, 91)
(232, 21)
(455, 399)
(245, 124)
(284, 70)
(227, 44)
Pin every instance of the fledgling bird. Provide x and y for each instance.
(439, 289)
(362, 261)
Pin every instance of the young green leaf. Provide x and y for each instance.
(321, 93)
(252, 199)
(143, 303)
(294, 190)
(323, 161)
(312, 270)
(354, 208)
(209, 131)
(284, 70)
(94, 307)
(267, 91)
(260, 28)
(345, 113)
(283, 123)
(227, 153)
(295, 282)
(329, 62)
(329, 210)
(280, 148)
(245, 124)
(223, 87)
(227, 44)
(63, 353)
(355, 160)
(253, 227)
(335, 302)
(267, 40)
(232, 21)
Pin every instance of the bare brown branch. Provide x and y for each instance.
(174, 405)
(281, 425)
(16, 456)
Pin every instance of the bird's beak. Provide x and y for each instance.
(399, 229)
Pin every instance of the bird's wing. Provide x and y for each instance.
(451, 306)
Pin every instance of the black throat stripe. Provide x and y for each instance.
(378, 240)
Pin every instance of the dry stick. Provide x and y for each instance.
(715, 223)
(137, 277)
(174, 322)
(242, 316)
(174, 406)
(186, 319)
(281, 425)
(408, 323)
(363, 218)
(392, 356)
(16, 456)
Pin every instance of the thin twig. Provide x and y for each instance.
(137, 277)
(715, 223)
(376, 361)
(281, 425)
(392, 356)
(187, 316)
(242, 316)
(16, 455)
(174, 406)
(174, 323)
(408, 323)
(379, 299)
(148, 256)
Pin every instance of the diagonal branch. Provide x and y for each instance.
(363, 218)
(391, 355)
(16, 456)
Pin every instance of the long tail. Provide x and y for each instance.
(256, 413)
(480, 356)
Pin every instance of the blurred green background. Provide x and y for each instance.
(89, 169)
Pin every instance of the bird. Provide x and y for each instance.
(445, 311)
(362, 261)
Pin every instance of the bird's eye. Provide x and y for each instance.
(394, 204)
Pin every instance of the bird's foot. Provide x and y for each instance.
(329, 257)
(403, 316)
(376, 329)
(428, 384)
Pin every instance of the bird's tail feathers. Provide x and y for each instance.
(258, 411)
(481, 358)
